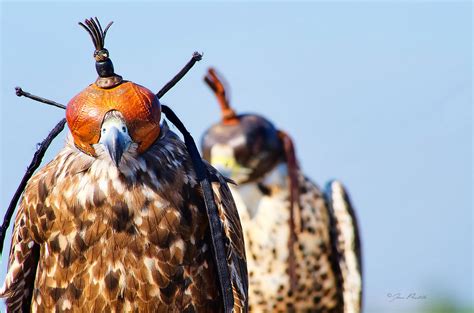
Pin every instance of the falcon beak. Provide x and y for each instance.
(223, 164)
(229, 167)
(115, 144)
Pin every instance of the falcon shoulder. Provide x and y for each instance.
(235, 241)
(23, 260)
(346, 241)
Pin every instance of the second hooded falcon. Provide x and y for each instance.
(302, 244)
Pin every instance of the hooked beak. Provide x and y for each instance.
(224, 165)
(229, 168)
(115, 144)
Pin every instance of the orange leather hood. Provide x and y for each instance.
(139, 106)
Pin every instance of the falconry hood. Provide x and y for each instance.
(139, 107)
(255, 141)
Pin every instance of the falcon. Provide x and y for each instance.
(117, 222)
(302, 243)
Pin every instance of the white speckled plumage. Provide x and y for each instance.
(266, 230)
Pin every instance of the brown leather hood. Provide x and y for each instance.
(139, 106)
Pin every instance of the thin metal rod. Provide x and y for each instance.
(20, 92)
(195, 58)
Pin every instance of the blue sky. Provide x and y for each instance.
(377, 94)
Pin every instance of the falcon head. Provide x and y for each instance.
(136, 108)
(242, 147)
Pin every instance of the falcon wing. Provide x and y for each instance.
(24, 255)
(346, 240)
(235, 240)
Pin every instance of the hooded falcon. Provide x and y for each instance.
(302, 244)
(116, 222)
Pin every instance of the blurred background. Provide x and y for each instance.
(376, 94)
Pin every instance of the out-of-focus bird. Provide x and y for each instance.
(116, 222)
(303, 249)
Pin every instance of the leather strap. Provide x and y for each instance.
(217, 231)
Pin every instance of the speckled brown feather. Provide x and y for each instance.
(24, 255)
(131, 241)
